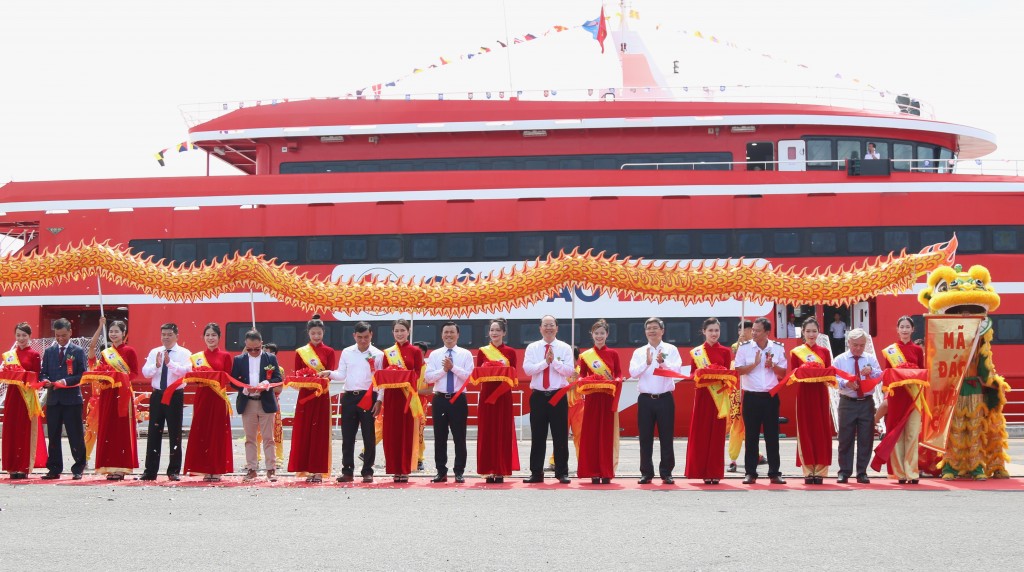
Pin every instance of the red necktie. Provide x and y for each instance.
(547, 370)
(856, 367)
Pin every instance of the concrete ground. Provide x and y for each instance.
(471, 527)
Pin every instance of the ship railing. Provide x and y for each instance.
(863, 99)
(1003, 167)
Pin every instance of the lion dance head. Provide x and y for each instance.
(952, 291)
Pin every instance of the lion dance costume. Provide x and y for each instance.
(976, 446)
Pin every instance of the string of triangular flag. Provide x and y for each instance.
(182, 147)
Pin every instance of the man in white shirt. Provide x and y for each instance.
(655, 406)
(872, 152)
(856, 408)
(164, 366)
(549, 363)
(448, 368)
(356, 365)
(837, 334)
(760, 363)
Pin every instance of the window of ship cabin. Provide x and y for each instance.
(1004, 240)
(353, 249)
(218, 250)
(946, 162)
(531, 246)
(677, 244)
(849, 149)
(496, 247)
(285, 250)
(881, 147)
(927, 158)
(456, 247)
(320, 250)
(819, 154)
(750, 243)
(895, 240)
(1008, 329)
(823, 242)
(426, 333)
(566, 242)
(678, 333)
(902, 153)
(760, 156)
(860, 242)
(714, 243)
(609, 243)
(284, 335)
(183, 252)
(787, 243)
(639, 244)
(969, 240)
(389, 249)
(424, 248)
(147, 248)
(256, 246)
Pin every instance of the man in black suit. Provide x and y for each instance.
(62, 368)
(257, 404)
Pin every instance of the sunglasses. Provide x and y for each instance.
(254, 350)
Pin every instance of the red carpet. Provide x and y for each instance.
(624, 483)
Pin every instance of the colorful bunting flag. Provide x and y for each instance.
(160, 157)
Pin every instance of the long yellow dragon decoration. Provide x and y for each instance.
(534, 281)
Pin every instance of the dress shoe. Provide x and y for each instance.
(249, 476)
(564, 479)
(367, 478)
(50, 476)
(863, 479)
(714, 481)
(913, 481)
(460, 478)
(115, 477)
(346, 478)
(595, 480)
(490, 480)
(146, 477)
(499, 480)
(534, 479)
(317, 478)
(439, 478)
(174, 477)
(272, 475)
(606, 480)
(18, 476)
(777, 480)
(819, 480)
(842, 480)
(76, 476)
(668, 481)
(645, 480)
(903, 481)
(733, 468)
(749, 479)
(808, 480)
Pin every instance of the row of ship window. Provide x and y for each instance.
(624, 332)
(667, 244)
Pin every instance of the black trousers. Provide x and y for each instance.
(543, 416)
(761, 414)
(353, 418)
(68, 417)
(159, 414)
(657, 412)
(856, 422)
(452, 417)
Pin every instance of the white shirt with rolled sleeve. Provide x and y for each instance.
(648, 382)
(179, 364)
(562, 367)
(761, 378)
(354, 369)
(844, 362)
(462, 366)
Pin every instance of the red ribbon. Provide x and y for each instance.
(397, 374)
(662, 372)
(561, 393)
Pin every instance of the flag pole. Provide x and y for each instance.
(252, 307)
(99, 290)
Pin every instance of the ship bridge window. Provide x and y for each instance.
(496, 247)
(760, 155)
(320, 250)
(927, 159)
(946, 162)
(458, 247)
(389, 249)
(677, 244)
(424, 248)
(531, 246)
(787, 243)
(849, 149)
(639, 244)
(750, 243)
(256, 246)
(881, 147)
(285, 250)
(353, 249)
(902, 153)
(184, 252)
(860, 242)
(895, 240)
(713, 244)
(819, 154)
(218, 250)
(1004, 240)
(823, 242)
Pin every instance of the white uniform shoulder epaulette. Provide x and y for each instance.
(776, 343)
(747, 342)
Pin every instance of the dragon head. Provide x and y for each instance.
(952, 291)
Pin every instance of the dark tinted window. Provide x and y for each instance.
(529, 333)
(284, 336)
(459, 247)
(496, 247)
(426, 333)
(566, 242)
(256, 246)
(184, 252)
(787, 243)
(320, 250)
(859, 242)
(383, 336)
(637, 337)
(713, 244)
(823, 242)
(819, 155)
(929, 237)
(285, 250)
(218, 250)
(678, 333)
(353, 249)
(639, 244)
(389, 249)
(424, 248)
(1004, 240)
(1008, 329)
(895, 240)
(750, 243)
(147, 248)
(969, 240)
(677, 244)
(608, 243)
(531, 246)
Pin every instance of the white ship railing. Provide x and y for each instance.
(1003, 167)
(846, 98)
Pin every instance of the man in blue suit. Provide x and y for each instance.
(62, 368)
(258, 403)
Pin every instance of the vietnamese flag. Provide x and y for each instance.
(602, 30)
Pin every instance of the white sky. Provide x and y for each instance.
(92, 88)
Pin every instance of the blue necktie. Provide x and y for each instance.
(451, 376)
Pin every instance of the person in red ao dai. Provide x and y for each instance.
(813, 408)
(599, 436)
(705, 448)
